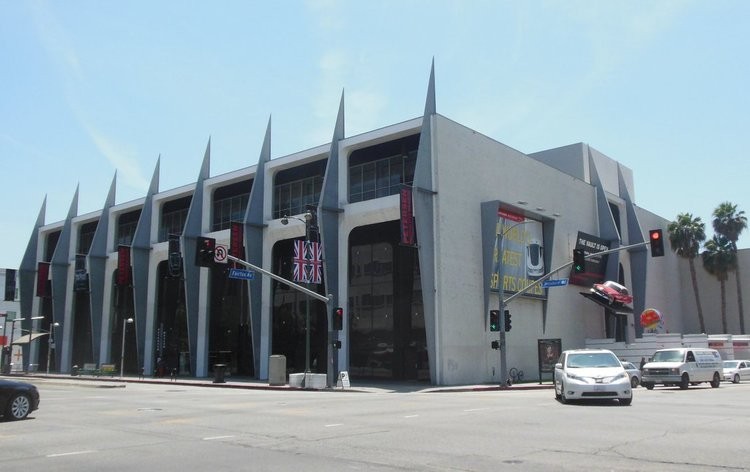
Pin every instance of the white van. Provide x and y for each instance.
(683, 366)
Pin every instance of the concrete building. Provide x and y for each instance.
(413, 270)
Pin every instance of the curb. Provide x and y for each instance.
(98, 382)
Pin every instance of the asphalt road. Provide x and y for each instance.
(95, 427)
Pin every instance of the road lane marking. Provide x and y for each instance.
(212, 438)
(475, 409)
(75, 453)
(333, 425)
(411, 416)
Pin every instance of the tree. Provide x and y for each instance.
(719, 260)
(686, 234)
(729, 223)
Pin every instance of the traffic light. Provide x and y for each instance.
(338, 318)
(494, 320)
(579, 261)
(337, 344)
(204, 252)
(657, 242)
(507, 321)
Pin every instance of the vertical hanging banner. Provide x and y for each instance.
(81, 277)
(407, 217)
(236, 237)
(10, 285)
(174, 255)
(42, 277)
(123, 265)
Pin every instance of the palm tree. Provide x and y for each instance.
(728, 222)
(719, 260)
(686, 234)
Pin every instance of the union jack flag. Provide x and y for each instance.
(307, 262)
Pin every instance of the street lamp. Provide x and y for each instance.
(307, 220)
(125, 324)
(51, 342)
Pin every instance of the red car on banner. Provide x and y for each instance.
(612, 293)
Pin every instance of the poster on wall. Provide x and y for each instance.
(519, 248)
(595, 266)
(549, 352)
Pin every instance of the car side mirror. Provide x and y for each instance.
(558, 365)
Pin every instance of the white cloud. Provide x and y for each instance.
(122, 158)
(55, 40)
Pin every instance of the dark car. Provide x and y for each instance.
(17, 399)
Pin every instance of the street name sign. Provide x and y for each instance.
(554, 283)
(241, 274)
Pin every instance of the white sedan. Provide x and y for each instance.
(591, 374)
(735, 371)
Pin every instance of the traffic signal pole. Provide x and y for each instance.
(566, 265)
(327, 300)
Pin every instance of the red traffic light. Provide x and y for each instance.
(338, 318)
(657, 242)
(205, 251)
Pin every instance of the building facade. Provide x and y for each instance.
(413, 219)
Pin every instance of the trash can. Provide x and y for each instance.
(277, 370)
(219, 370)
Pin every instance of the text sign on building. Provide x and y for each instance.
(241, 274)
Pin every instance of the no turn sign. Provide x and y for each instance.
(220, 254)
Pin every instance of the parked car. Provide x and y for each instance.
(612, 293)
(17, 399)
(735, 371)
(634, 372)
(591, 374)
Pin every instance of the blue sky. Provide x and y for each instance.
(90, 88)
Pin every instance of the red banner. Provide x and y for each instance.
(236, 233)
(407, 218)
(42, 277)
(123, 265)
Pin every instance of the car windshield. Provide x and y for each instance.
(592, 359)
(667, 356)
(731, 364)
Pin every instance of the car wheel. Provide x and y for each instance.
(634, 381)
(19, 407)
(648, 385)
(626, 401)
(554, 382)
(716, 381)
(563, 398)
(685, 381)
(736, 379)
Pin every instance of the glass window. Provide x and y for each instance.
(291, 197)
(229, 209)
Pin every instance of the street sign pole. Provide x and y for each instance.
(327, 300)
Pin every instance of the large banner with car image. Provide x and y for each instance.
(519, 249)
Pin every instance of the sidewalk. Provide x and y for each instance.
(252, 384)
